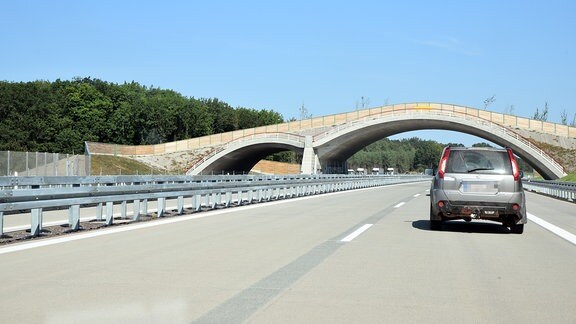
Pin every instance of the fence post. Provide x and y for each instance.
(1, 224)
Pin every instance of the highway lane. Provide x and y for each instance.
(286, 263)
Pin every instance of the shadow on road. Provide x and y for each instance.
(463, 227)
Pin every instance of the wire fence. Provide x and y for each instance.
(43, 164)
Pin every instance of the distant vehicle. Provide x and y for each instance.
(390, 171)
(375, 171)
(360, 171)
(478, 183)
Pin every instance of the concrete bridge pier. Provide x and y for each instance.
(310, 162)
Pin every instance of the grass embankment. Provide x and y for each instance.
(116, 165)
(570, 177)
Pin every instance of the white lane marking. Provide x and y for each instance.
(553, 228)
(416, 195)
(357, 232)
(399, 205)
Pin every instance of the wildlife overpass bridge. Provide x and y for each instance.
(326, 142)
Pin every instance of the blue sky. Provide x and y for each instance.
(324, 55)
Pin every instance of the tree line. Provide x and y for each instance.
(60, 116)
(404, 155)
(413, 154)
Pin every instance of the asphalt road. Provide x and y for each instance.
(365, 256)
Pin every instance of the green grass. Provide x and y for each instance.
(115, 165)
(570, 177)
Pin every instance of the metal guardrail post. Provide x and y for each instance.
(1, 224)
(180, 205)
(136, 205)
(109, 213)
(123, 210)
(144, 207)
(228, 199)
(99, 212)
(36, 221)
(161, 207)
(74, 221)
(197, 202)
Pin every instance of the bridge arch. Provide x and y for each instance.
(340, 143)
(241, 155)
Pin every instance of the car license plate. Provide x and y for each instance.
(484, 187)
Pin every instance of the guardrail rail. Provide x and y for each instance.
(36, 194)
(557, 189)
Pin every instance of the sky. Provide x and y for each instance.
(323, 55)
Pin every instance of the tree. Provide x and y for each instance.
(542, 116)
(483, 144)
(304, 113)
(489, 101)
(364, 102)
(564, 117)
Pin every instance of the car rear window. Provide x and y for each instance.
(478, 162)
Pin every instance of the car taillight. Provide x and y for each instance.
(443, 161)
(515, 169)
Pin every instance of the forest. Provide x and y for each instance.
(59, 116)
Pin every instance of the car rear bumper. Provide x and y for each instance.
(513, 210)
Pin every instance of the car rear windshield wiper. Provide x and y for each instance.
(480, 169)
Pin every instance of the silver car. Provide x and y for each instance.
(478, 183)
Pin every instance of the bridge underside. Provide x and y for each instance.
(242, 160)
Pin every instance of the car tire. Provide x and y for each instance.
(435, 225)
(517, 228)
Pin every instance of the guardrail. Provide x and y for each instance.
(557, 189)
(36, 194)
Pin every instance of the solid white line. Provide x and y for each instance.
(416, 195)
(553, 228)
(357, 232)
(399, 205)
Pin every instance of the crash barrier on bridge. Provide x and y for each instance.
(37, 194)
(557, 189)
